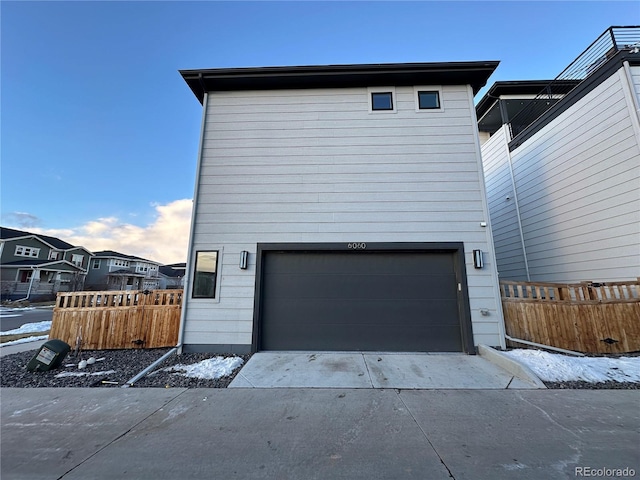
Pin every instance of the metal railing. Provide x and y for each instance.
(612, 40)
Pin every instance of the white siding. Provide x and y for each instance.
(578, 185)
(635, 75)
(502, 207)
(316, 166)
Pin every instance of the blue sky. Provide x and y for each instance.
(99, 131)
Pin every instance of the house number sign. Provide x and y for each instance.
(356, 246)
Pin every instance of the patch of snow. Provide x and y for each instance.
(30, 328)
(209, 369)
(555, 367)
(15, 309)
(25, 340)
(84, 374)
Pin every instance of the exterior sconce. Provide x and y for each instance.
(478, 261)
(244, 257)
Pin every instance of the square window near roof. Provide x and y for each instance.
(381, 101)
(428, 100)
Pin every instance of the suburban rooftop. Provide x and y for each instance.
(475, 74)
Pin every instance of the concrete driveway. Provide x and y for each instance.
(378, 370)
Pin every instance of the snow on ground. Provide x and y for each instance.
(211, 368)
(25, 340)
(83, 374)
(36, 327)
(555, 367)
(30, 328)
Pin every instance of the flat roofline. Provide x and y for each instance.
(516, 87)
(475, 74)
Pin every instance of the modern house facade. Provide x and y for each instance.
(111, 270)
(562, 167)
(36, 267)
(340, 208)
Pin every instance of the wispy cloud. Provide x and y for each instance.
(21, 219)
(164, 240)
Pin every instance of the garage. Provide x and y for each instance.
(359, 297)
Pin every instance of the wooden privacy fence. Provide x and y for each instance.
(584, 317)
(117, 319)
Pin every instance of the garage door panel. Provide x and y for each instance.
(363, 286)
(437, 312)
(362, 262)
(386, 338)
(364, 301)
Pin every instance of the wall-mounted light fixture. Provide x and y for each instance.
(478, 262)
(244, 258)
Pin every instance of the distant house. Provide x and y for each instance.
(341, 207)
(111, 270)
(562, 167)
(36, 267)
(172, 276)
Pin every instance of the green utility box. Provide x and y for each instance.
(50, 356)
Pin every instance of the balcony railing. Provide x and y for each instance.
(612, 40)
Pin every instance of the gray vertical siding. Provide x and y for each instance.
(578, 188)
(316, 166)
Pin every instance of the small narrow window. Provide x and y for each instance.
(96, 263)
(204, 278)
(428, 100)
(381, 101)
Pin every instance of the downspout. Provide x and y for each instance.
(515, 200)
(488, 229)
(196, 190)
(30, 285)
(144, 372)
(544, 347)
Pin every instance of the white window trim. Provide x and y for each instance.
(75, 257)
(208, 248)
(428, 88)
(394, 99)
(22, 249)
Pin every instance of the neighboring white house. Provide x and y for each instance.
(563, 168)
(339, 208)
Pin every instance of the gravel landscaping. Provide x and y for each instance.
(113, 368)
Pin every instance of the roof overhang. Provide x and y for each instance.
(515, 96)
(54, 265)
(475, 74)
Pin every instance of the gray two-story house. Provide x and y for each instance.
(36, 267)
(111, 270)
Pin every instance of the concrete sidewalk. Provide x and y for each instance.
(315, 433)
(377, 370)
(21, 347)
